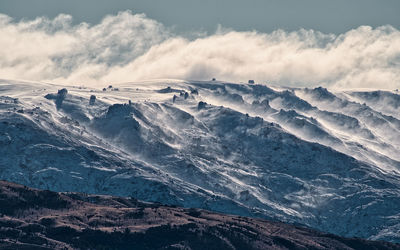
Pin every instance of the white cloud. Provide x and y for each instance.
(129, 47)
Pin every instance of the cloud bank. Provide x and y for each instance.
(131, 47)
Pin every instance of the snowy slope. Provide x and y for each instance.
(327, 160)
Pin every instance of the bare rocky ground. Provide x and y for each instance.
(36, 219)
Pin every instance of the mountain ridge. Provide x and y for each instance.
(307, 156)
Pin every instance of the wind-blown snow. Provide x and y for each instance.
(310, 156)
(128, 47)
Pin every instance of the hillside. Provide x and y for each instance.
(34, 219)
(326, 160)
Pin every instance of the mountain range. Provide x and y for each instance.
(325, 159)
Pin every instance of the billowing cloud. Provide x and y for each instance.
(132, 47)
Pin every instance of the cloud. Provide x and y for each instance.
(45, 49)
(132, 47)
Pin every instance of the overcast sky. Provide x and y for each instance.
(328, 16)
(344, 43)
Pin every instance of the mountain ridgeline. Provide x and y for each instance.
(312, 157)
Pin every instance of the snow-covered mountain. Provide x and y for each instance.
(328, 160)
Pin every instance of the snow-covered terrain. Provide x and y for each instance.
(328, 160)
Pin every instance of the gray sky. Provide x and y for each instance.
(336, 16)
(129, 47)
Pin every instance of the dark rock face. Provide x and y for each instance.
(201, 105)
(59, 97)
(92, 100)
(33, 219)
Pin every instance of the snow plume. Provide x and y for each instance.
(130, 47)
